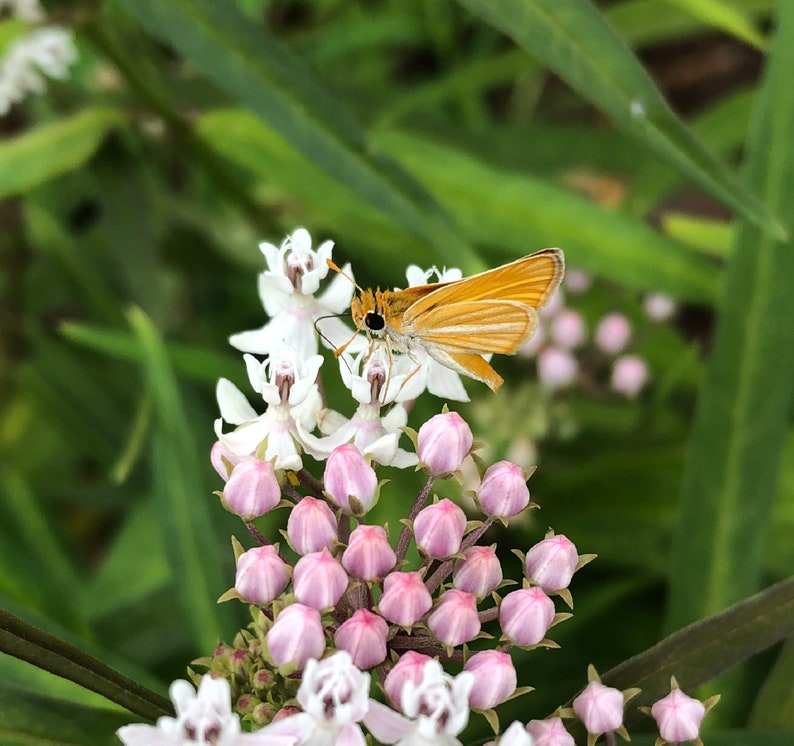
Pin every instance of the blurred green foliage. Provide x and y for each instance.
(132, 199)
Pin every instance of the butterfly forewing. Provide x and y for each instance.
(530, 280)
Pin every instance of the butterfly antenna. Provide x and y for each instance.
(336, 268)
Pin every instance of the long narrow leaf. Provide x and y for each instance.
(184, 500)
(742, 417)
(271, 81)
(574, 40)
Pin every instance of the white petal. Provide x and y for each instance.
(330, 421)
(244, 440)
(338, 293)
(307, 411)
(233, 405)
(417, 276)
(144, 735)
(350, 734)
(275, 292)
(403, 459)
(256, 372)
(386, 725)
(445, 383)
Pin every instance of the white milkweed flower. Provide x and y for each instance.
(435, 710)
(287, 290)
(334, 696)
(203, 717)
(378, 384)
(47, 51)
(287, 383)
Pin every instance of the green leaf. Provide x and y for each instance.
(24, 641)
(53, 149)
(774, 705)
(742, 416)
(574, 40)
(184, 501)
(722, 16)
(525, 214)
(713, 237)
(275, 84)
(705, 649)
(29, 719)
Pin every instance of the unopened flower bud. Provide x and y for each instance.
(311, 526)
(577, 280)
(369, 555)
(525, 616)
(455, 620)
(568, 329)
(439, 528)
(549, 732)
(515, 735)
(363, 635)
(261, 575)
(252, 489)
(613, 333)
(503, 491)
(443, 442)
(405, 598)
(552, 562)
(557, 368)
(296, 636)
(629, 375)
(223, 460)
(349, 480)
(658, 307)
(479, 573)
(409, 668)
(678, 716)
(600, 708)
(495, 678)
(319, 580)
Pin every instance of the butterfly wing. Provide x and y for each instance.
(480, 327)
(529, 281)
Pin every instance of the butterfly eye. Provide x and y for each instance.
(374, 321)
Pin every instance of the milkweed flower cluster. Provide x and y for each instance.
(336, 602)
(562, 339)
(37, 52)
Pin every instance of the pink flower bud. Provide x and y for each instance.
(311, 526)
(369, 555)
(364, 637)
(557, 368)
(658, 307)
(261, 575)
(319, 580)
(551, 563)
(296, 636)
(549, 732)
(577, 281)
(438, 529)
(503, 491)
(678, 716)
(479, 573)
(252, 489)
(515, 735)
(600, 708)
(405, 598)
(568, 330)
(495, 678)
(613, 333)
(443, 442)
(223, 460)
(455, 620)
(409, 668)
(349, 480)
(526, 615)
(629, 375)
